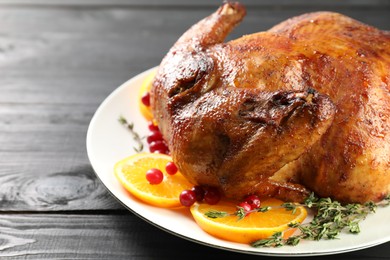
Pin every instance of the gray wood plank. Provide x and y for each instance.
(120, 236)
(116, 41)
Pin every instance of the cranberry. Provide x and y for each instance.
(253, 201)
(246, 206)
(157, 146)
(171, 168)
(154, 136)
(145, 99)
(212, 196)
(163, 151)
(154, 176)
(199, 192)
(152, 127)
(187, 198)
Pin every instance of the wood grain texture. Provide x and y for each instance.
(59, 59)
(124, 236)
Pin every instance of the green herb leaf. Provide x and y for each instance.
(290, 206)
(136, 137)
(263, 209)
(216, 214)
(329, 221)
(276, 240)
(240, 213)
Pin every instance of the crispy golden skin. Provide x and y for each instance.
(304, 106)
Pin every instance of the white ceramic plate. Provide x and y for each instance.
(108, 142)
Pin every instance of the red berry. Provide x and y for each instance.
(199, 192)
(164, 151)
(154, 176)
(154, 136)
(153, 127)
(145, 99)
(157, 146)
(253, 201)
(212, 196)
(187, 198)
(245, 205)
(171, 168)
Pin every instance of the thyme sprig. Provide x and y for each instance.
(240, 212)
(330, 220)
(136, 137)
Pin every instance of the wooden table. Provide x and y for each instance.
(58, 61)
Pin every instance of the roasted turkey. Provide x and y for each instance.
(303, 107)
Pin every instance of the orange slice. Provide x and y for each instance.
(145, 87)
(131, 173)
(255, 226)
